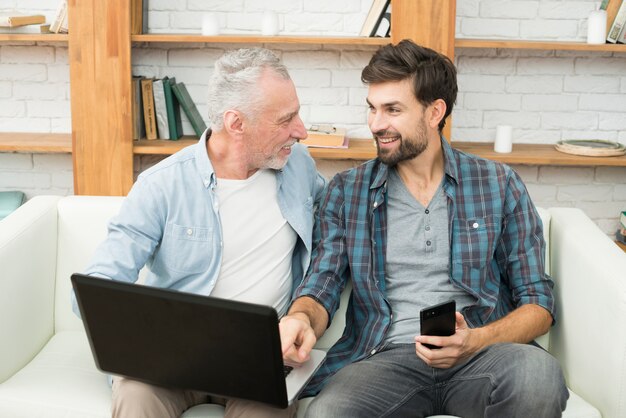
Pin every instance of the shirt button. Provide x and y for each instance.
(375, 204)
(427, 211)
(428, 243)
(428, 228)
(475, 225)
(373, 352)
(189, 231)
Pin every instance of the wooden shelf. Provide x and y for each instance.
(286, 39)
(546, 45)
(360, 149)
(35, 142)
(622, 246)
(161, 146)
(364, 149)
(33, 37)
(537, 154)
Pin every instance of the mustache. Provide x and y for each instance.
(385, 133)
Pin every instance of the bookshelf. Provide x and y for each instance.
(541, 45)
(35, 142)
(364, 149)
(100, 50)
(254, 39)
(33, 37)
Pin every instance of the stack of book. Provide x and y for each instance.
(325, 136)
(15, 22)
(620, 235)
(156, 109)
(378, 20)
(615, 20)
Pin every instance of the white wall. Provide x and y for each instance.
(545, 95)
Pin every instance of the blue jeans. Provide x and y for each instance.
(503, 380)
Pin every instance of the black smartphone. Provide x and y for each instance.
(438, 320)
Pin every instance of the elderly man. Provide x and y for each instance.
(229, 217)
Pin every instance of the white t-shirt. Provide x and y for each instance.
(258, 242)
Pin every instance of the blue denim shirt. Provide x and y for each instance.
(496, 251)
(170, 222)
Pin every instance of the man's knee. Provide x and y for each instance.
(537, 380)
(132, 398)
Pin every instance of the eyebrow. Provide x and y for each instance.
(288, 116)
(388, 104)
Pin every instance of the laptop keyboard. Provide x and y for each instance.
(287, 370)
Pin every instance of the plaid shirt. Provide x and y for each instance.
(496, 251)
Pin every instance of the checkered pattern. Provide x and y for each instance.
(496, 250)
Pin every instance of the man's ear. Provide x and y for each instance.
(233, 122)
(436, 112)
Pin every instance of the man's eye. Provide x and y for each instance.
(393, 110)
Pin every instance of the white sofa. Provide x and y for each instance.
(46, 368)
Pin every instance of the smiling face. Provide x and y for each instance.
(276, 126)
(397, 121)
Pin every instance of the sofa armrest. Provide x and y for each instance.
(589, 339)
(28, 250)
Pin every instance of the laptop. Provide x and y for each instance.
(187, 341)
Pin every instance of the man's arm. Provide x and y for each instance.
(301, 327)
(522, 325)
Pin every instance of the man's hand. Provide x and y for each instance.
(297, 337)
(454, 348)
(522, 325)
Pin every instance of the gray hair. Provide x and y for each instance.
(233, 82)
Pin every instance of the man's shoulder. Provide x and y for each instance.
(470, 165)
(173, 161)
(363, 172)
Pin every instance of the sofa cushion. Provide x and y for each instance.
(61, 382)
(78, 237)
(9, 201)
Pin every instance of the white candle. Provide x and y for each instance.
(504, 139)
(210, 24)
(269, 24)
(596, 27)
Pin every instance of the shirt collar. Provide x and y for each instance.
(205, 168)
(450, 161)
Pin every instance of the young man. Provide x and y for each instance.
(420, 225)
(230, 217)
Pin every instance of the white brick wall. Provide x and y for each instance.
(545, 95)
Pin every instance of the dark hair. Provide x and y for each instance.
(433, 74)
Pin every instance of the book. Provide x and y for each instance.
(149, 116)
(373, 17)
(160, 109)
(325, 136)
(620, 236)
(139, 127)
(622, 219)
(59, 24)
(189, 107)
(138, 17)
(617, 25)
(45, 28)
(15, 19)
(383, 29)
(611, 7)
(173, 109)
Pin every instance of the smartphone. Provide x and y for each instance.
(438, 320)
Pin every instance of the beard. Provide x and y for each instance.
(409, 148)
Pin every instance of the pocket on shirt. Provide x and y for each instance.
(476, 240)
(187, 248)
